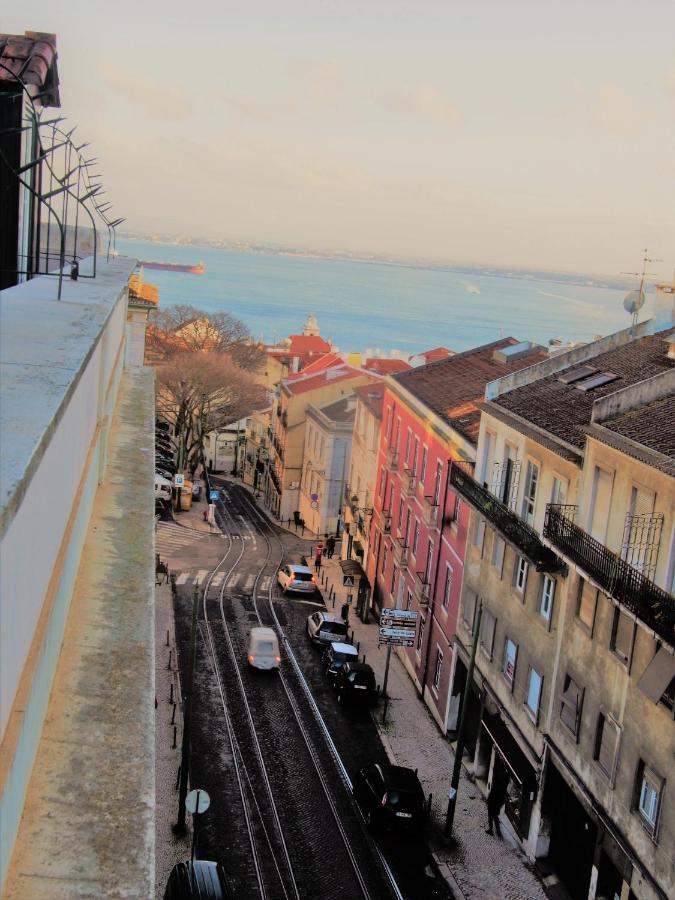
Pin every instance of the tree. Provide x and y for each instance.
(185, 328)
(202, 392)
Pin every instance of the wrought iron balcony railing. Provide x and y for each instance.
(430, 511)
(650, 603)
(407, 483)
(401, 550)
(505, 521)
(422, 589)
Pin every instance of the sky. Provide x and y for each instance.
(502, 132)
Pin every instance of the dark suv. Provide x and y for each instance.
(390, 796)
(355, 683)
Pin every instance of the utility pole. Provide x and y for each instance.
(459, 749)
(180, 827)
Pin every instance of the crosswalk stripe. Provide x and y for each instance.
(217, 579)
(265, 583)
(182, 578)
(249, 583)
(233, 581)
(201, 575)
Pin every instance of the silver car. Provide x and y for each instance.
(325, 628)
(296, 578)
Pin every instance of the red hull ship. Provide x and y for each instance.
(174, 267)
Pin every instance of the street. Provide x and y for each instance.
(274, 750)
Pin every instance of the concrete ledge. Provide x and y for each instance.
(88, 823)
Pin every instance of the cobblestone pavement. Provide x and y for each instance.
(477, 865)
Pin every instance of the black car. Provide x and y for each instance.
(390, 797)
(201, 880)
(355, 683)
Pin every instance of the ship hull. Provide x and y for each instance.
(174, 267)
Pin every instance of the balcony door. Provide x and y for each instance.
(601, 500)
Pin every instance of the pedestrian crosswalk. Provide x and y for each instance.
(238, 580)
(170, 538)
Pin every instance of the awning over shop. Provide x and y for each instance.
(508, 748)
(658, 675)
(352, 567)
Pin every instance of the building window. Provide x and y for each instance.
(438, 667)
(533, 696)
(387, 429)
(408, 438)
(393, 579)
(586, 602)
(416, 537)
(497, 558)
(621, 643)
(559, 491)
(430, 559)
(420, 636)
(530, 492)
(520, 574)
(447, 590)
(546, 598)
(423, 467)
(606, 744)
(397, 431)
(437, 482)
(479, 534)
(400, 515)
(469, 609)
(488, 447)
(509, 662)
(649, 789)
(385, 553)
(409, 599)
(487, 633)
(571, 704)
(415, 455)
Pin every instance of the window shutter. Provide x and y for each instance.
(571, 705)
(608, 742)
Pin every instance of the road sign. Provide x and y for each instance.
(348, 581)
(214, 495)
(397, 642)
(197, 801)
(179, 480)
(397, 632)
(400, 613)
(314, 504)
(399, 618)
(314, 497)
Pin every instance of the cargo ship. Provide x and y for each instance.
(174, 267)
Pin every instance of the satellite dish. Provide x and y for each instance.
(634, 301)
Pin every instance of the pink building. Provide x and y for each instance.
(431, 417)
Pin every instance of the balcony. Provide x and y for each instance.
(648, 602)
(511, 527)
(401, 551)
(392, 459)
(422, 589)
(430, 511)
(407, 483)
(386, 522)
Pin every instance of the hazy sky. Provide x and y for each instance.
(500, 131)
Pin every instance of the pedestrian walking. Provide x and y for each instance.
(496, 797)
(317, 561)
(330, 547)
(206, 515)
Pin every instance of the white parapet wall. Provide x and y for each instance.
(60, 368)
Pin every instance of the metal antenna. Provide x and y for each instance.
(634, 300)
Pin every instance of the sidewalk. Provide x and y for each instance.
(477, 866)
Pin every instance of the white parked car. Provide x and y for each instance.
(325, 628)
(296, 578)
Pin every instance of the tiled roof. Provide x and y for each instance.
(301, 383)
(565, 411)
(436, 354)
(386, 366)
(455, 385)
(651, 426)
(319, 363)
(342, 410)
(371, 395)
(32, 58)
(307, 343)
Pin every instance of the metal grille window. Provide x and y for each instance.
(447, 590)
(623, 629)
(438, 667)
(487, 633)
(642, 532)
(571, 704)
(509, 662)
(530, 492)
(546, 598)
(649, 788)
(606, 744)
(520, 574)
(533, 696)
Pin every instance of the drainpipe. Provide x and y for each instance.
(425, 671)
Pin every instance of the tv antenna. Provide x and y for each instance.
(634, 300)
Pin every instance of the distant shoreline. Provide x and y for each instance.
(578, 279)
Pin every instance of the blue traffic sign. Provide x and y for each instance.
(214, 495)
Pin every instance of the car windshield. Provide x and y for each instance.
(401, 798)
(265, 646)
(301, 576)
(335, 627)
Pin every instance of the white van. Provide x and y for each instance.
(163, 488)
(263, 649)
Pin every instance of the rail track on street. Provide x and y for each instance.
(305, 836)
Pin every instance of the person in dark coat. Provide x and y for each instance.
(497, 797)
(330, 547)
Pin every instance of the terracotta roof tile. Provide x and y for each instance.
(436, 354)
(565, 411)
(372, 396)
(301, 384)
(650, 430)
(307, 343)
(454, 386)
(386, 366)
